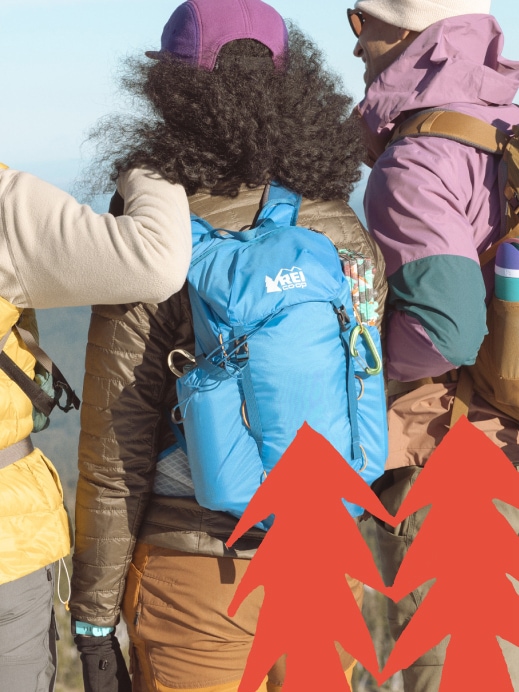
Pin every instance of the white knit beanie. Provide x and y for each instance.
(417, 15)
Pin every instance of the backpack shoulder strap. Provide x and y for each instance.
(474, 132)
(456, 126)
(41, 401)
(279, 204)
(468, 130)
(59, 380)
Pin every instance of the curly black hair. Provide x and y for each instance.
(245, 122)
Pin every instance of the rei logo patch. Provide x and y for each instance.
(285, 280)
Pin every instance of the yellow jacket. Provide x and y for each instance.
(34, 527)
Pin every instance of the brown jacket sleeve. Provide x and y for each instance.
(127, 391)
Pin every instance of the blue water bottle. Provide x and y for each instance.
(507, 271)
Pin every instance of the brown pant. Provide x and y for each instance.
(175, 607)
(418, 422)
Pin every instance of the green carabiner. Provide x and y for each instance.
(359, 329)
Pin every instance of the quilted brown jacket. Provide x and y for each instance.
(128, 392)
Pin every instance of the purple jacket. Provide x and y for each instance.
(433, 204)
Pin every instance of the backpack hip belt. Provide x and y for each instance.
(15, 452)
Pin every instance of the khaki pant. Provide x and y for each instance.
(28, 634)
(175, 606)
(418, 422)
(424, 675)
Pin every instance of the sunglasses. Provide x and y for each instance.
(356, 20)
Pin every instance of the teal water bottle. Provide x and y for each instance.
(507, 271)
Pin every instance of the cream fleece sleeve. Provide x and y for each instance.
(55, 252)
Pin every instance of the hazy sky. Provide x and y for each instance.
(61, 59)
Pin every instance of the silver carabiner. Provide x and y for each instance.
(171, 364)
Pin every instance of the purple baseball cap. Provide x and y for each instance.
(197, 30)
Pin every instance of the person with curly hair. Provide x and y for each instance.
(233, 100)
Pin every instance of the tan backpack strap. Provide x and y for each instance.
(452, 125)
(474, 132)
(464, 391)
(3, 341)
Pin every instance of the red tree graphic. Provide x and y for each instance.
(312, 544)
(469, 548)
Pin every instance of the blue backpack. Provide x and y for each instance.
(278, 343)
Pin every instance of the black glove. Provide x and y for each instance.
(104, 667)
